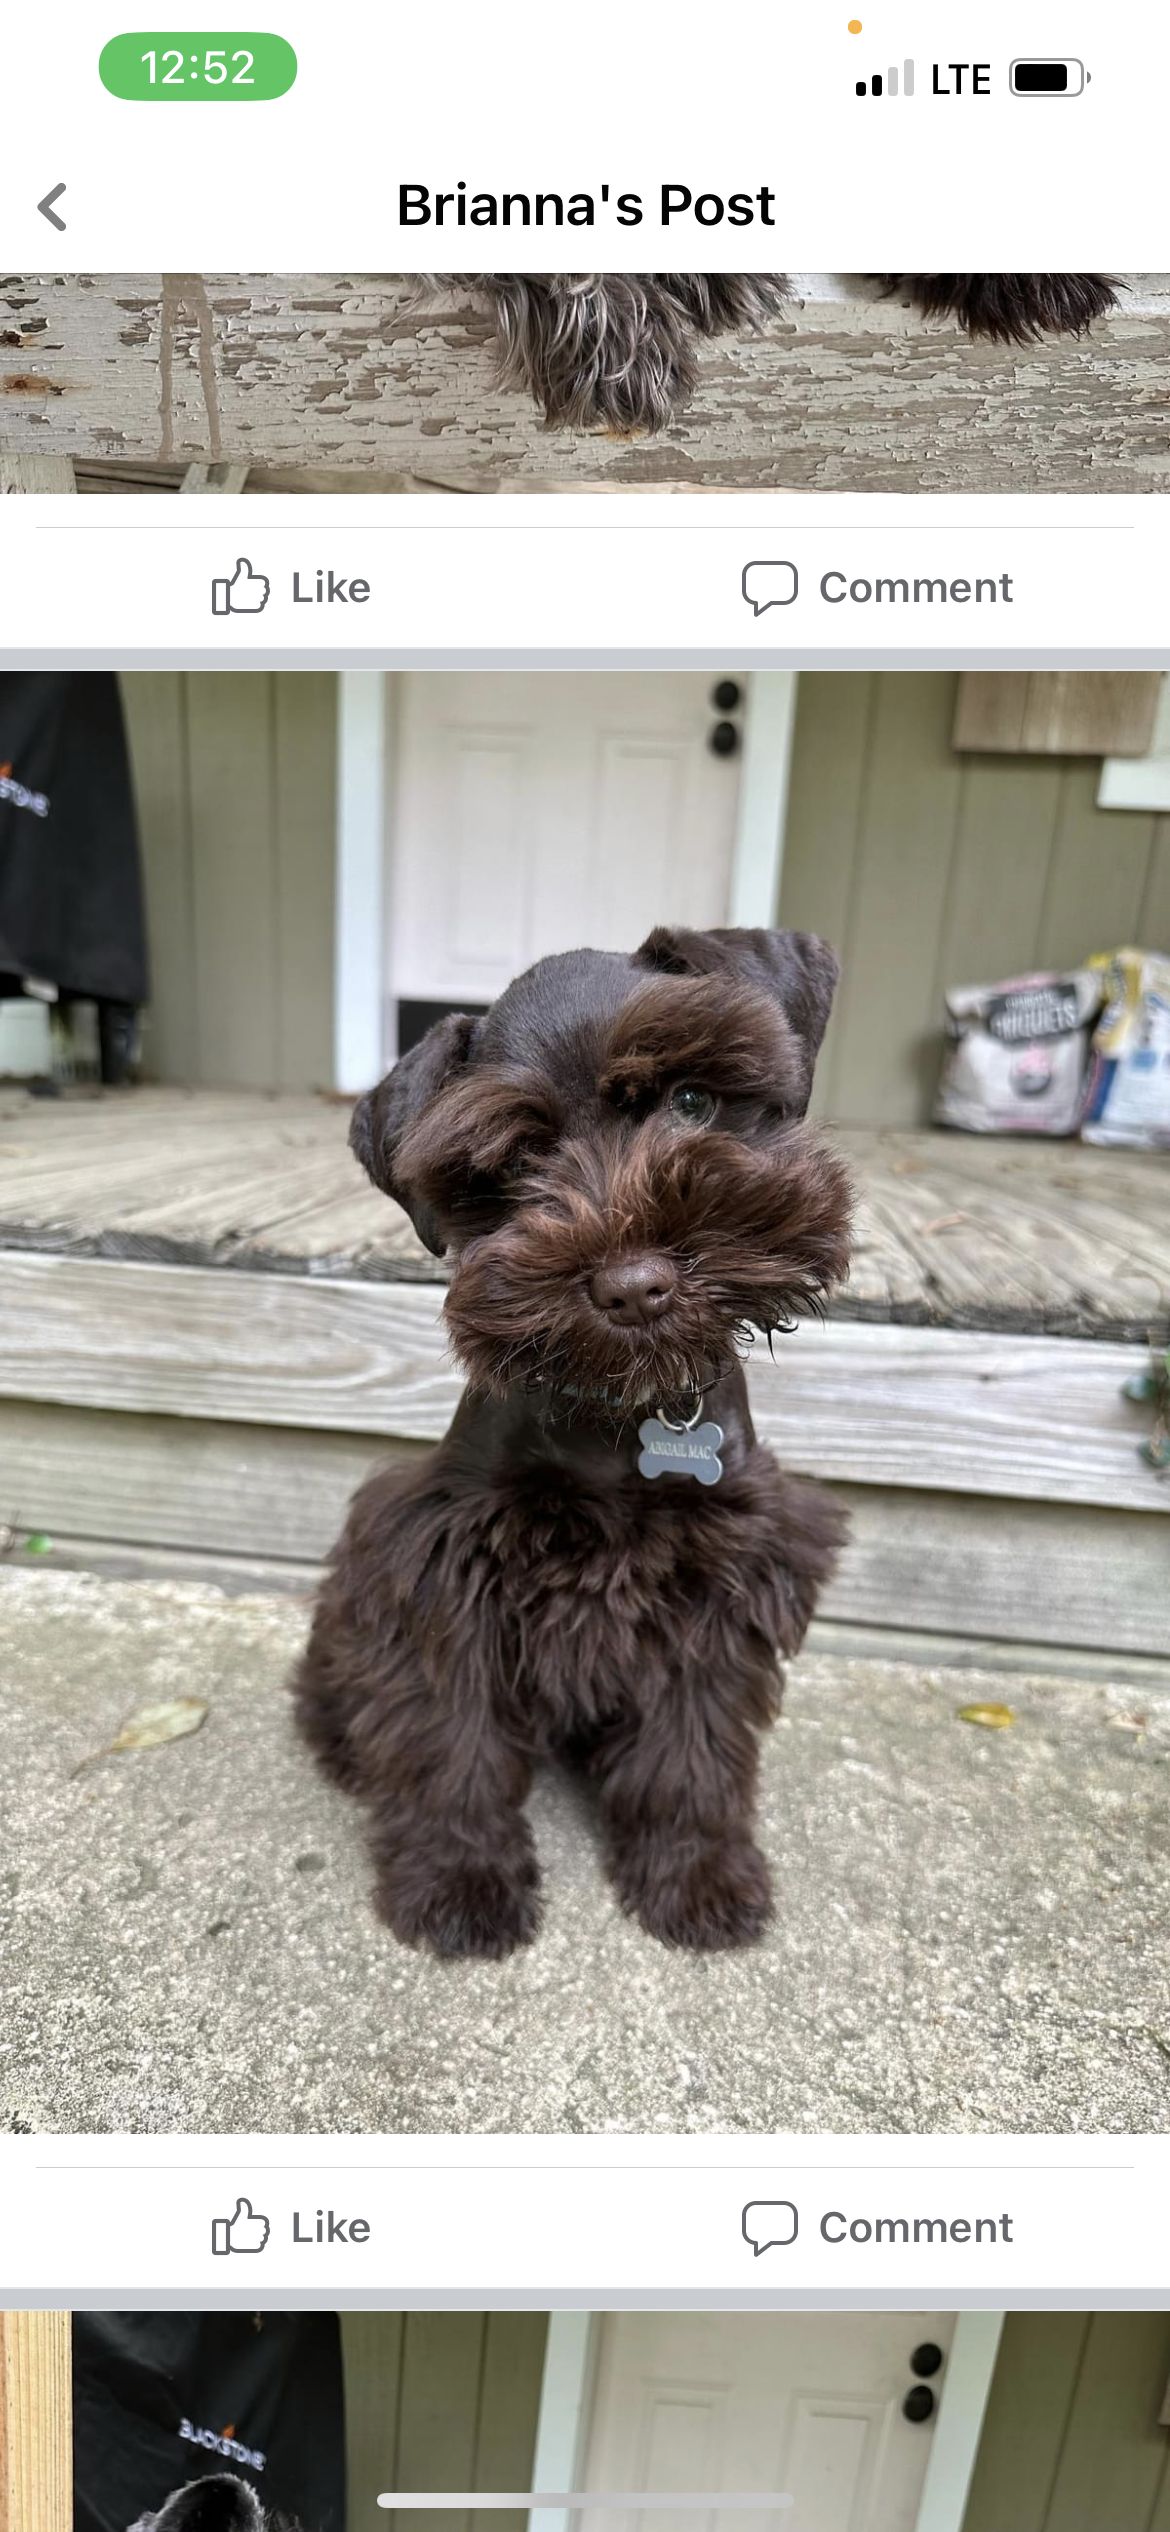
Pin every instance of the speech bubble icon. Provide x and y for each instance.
(769, 2224)
(767, 585)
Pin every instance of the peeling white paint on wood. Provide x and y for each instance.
(848, 390)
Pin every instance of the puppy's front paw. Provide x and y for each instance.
(716, 1901)
(1072, 302)
(1015, 307)
(470, 1911)
(1022, 307)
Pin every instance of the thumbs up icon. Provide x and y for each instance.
(242, 2231)
(244, 594)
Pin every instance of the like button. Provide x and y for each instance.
(242, 2231)
(246, 593)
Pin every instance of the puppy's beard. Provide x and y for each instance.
(756, 1236)
(568, 1347)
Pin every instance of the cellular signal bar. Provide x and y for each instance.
(894, 83)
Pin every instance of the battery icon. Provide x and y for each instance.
(1048, 77)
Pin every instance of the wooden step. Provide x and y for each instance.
(272, 1500)
(1033, 1417)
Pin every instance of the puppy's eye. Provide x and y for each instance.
(480, 1203)
(690, 1104)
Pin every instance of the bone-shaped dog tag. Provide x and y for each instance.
(673, 1451)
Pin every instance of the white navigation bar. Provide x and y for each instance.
(343, 138)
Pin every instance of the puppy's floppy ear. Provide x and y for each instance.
(220, 2504)
(797, 969)
(382, 1118)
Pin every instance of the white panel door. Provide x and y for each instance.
(539, 813)
(807, 2404)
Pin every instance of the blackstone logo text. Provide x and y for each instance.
(20, 796)
(227, 2444)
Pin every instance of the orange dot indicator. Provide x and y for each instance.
(855, 26)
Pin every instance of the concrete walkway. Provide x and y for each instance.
(974, 1928)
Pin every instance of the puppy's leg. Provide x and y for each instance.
(455, 1867)
(615, 351)
(1013, 307)
(443, 1782)
(678, 1774)
(596, 350)
(401, 1694)
(678, 1784)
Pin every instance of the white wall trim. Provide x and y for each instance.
(566, 2397)
(1141, 782)
(959, 2423)
(359, 864)
(758, 853)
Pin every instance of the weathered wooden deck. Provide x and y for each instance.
(211, 1327)
(953, 1231)
(848, 389)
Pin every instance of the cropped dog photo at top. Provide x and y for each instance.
(683, 382)
(584, 1401)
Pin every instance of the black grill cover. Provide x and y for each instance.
(71, 911)
(160, 2398)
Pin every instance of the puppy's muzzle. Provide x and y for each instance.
(634, 1292)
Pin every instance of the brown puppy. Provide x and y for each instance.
(616, 1160)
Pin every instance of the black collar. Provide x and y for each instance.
(618, 1406)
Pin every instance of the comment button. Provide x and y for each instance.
(769, 2224)
(767, 585)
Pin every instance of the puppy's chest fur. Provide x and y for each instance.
(587, 1597)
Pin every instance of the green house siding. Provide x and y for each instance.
(1071, 2440)
(235, 777)
(926, 868)
(440, 2400)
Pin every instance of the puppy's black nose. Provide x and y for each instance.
(634, 1291)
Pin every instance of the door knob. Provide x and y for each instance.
(724, 738)
(918, 2404)
(926, 2359)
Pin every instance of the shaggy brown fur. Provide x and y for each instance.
(615, 351)
(616, 1160)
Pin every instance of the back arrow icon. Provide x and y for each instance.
(46, 207)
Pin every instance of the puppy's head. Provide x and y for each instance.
(616, 1160)
(219, 2504)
